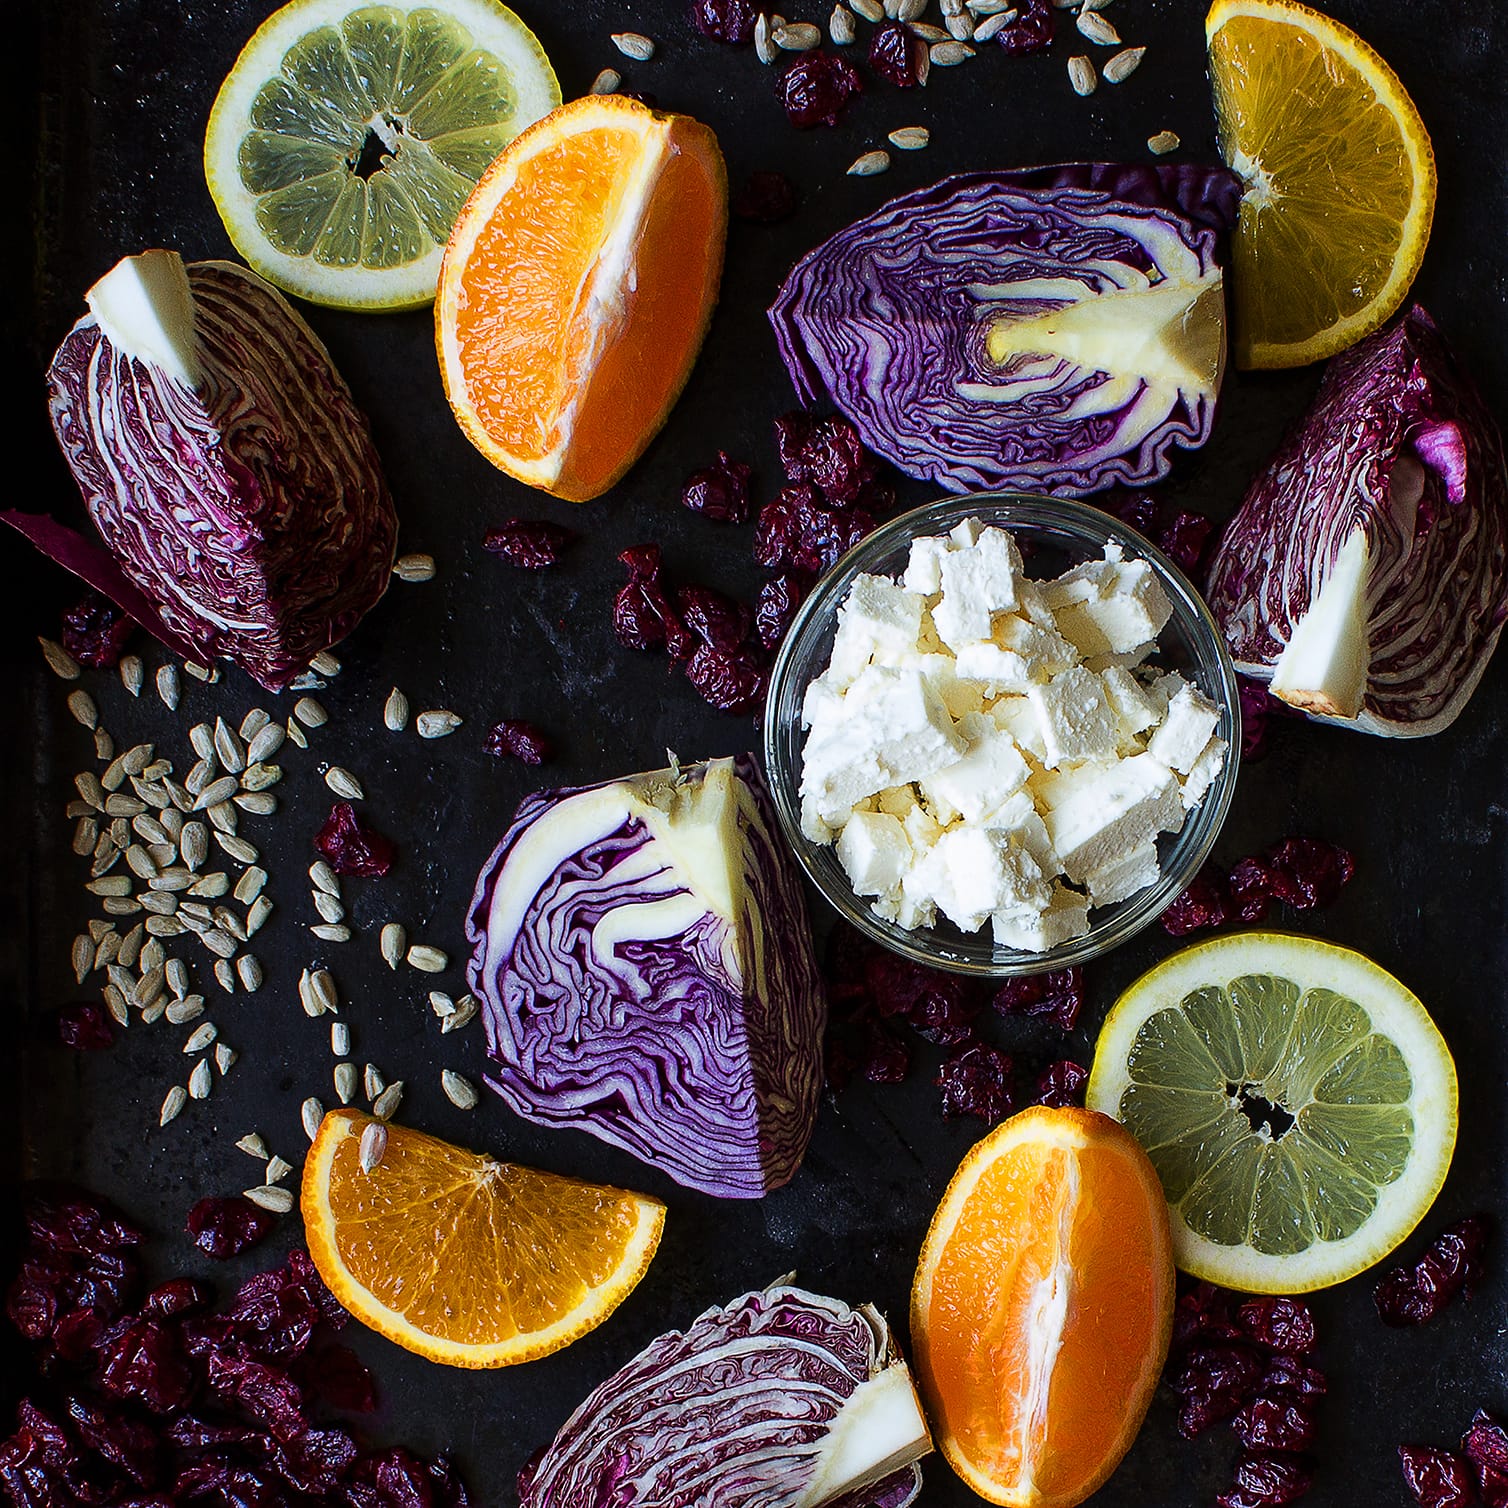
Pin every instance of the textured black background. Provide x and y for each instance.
(105, 116)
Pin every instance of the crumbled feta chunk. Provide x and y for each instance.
(1066, 916)
(1109, 606)
(1120, 880)
(1124, 809)
(879, 622)
(990, 772)
(1016, 715)
(1020, 817)
(924, 565)
(1073, 718)
(897, 800)
(1134, 709)
(970, 873)
(874, 851)
(1185, 730)
(1203, 773)
(977, 583)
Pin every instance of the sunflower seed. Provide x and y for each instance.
(223, 818)
(344, 783)
(97, 929)
(869, 164)
(950, 54)
(466, 1009)
(104, 745)
(209, 674)
(1119, 68)
(106, 855)
(1081, 75)
(201, 1081)
(310, 713)
(84, 956)
(441, 1003)
(928, 32)
(120, 905)
(324, 663)
(460, 1091)
(764, 48)
(257, 914)
(249, 968)
(910, 138)
(797, 36)
(1163, 143)
(961, 27)
(438, 724)
(84, 711)
(121, 977)
(430, 959)
(166, 923)
(277, 1201)
(373, 1145)
(258, 777)
(103, 953)
(155, 769)
(152, 794)
(216, 792)
(159, 902)
(111, 885)
(606, 82)
(212, 886)
(991, 27)
(1097, 29)
(416, 567)
(225, 1058)
(59, 661)
(177, 1098)
(115, 1003)
(140, 862)
(386, 1103)
(249, 886)
(372, 1082)
(147, 988)
(201, 1037)
(220, 943)
(238, 848)
(277, 1169)
(169, 687)
(153, 956)
(641, 49)
(229, 748)
(85, 836)
(253, 723)
(174, 879)
(395, 711)
(322, 984)
(311, 1112)
(910, 10)
(324, 877)
(841, 26)
(202, 738)
(345, 1082)
(117, 805)
(340, 1039)
(329, 907)
(253, 1145)
(175, 971)
(871, 10)
(131, 673)
(296, 735)
(193, 844)
(181, 1012)
(86, 782)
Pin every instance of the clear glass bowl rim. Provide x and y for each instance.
(1075, 526)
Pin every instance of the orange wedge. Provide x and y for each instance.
(1042, 1307)
(464, 1259)
(1339, 175)
(577, 287)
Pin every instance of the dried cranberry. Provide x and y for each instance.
(1031, 31)
(894, 53)
(142, 1359)
(1258, 707)
(1057, 995)
(1485, 1445)
(725, 20)
(1273, 1421)
(1267, 1481)
(816, 89)
(224, 1228)
(885, 1057)
(937, 1005)
(531, 543)
(95, 631)
(265, 1392)
(644, 562)
(792, 430)
(731, 682)
(1205, 903)
(1213, 1381)
(1307, 873)
(766, 198)
(775, 611)
(129, 1445)
(775, 532)
(976, 1080)
(719, 491)
(1202, 1312)
(642, 615)
(1280, 1324)
(67, 1225)
(1291, 1375)
(178, 1296)
(1138, 509)
(717, 620)
(832, 458)
(1437, 1478)
(351, 847)
(1250, 885)
(339, 1378)
(1183, 539)
(85, 1026)
(827, 535)
(512, 735)
(1061, 1084)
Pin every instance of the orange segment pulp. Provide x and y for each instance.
(1042, 1307)
(465, 1259)
(577, 287)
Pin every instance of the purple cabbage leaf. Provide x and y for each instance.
(1057, 329)
(643, 955)
(783, 1399)
(1365, 575)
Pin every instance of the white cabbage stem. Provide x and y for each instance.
(145, 309)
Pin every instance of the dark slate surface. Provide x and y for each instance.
(113, 96)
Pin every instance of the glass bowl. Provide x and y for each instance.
(1055, 533)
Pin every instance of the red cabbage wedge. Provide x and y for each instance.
(230, 474)
(1365, 575)
(783, 1399)
(644, 958)
(1058, 329)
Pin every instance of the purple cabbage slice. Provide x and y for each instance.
(783, 1399)
(1365, 575)
(642, 951)
(1057, 329)
(225, 464)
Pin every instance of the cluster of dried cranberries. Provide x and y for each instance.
(1301, 873)
(1478, 1474)
(1246, 1362)
(1415, 1294)
(351, 847)
(151, 1399)
(95, 631)
(875, 995)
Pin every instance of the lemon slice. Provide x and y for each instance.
(1296, 1100)
(1339, 175)
(345, 140)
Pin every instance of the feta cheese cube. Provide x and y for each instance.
(1065, 916)
(976, 583)
(1162, 688)
(1016, 715)
(905, 910)
(1020, 819)
(1121, 811)
(874, 851)
(1051, 788)
(1134, 710)
(813, 827)
(1017, 654)
(922, 830)
(924, 564)
(970, 873)
(1185, 730)
(1109, 606)
(1121, 880)
(1203, 773)
(1128, 661)
(822, 705)
(965, 533)
(990, 772)
(1074, 719)
(993, 669)
(941, 672)
(879, 621)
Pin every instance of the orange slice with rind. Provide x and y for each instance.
(464, 1259)
(577, 288)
